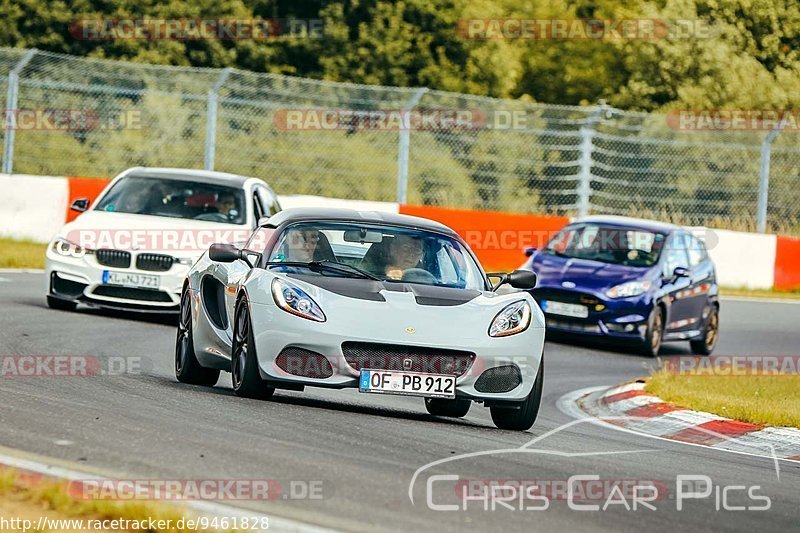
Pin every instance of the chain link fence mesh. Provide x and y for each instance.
(509, 155)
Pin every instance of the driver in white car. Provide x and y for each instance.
(225, 203)
(404, 252)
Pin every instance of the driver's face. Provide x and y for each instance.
(225, 204)
(406, 251)
(302, 244)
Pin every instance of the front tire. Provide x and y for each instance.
(521, 419)
(187, 367)
(59, 304)
(655, 333)
(444, 407)
(706, 344)
(245, 377)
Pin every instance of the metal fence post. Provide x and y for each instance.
(403, 147)
(763, 184)
(11, 106)
(587, 133)
(211, 119)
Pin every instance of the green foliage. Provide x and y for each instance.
(751, 58)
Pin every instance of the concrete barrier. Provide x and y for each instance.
(38, 206)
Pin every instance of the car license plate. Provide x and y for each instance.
(410, 383)
(565, 309)
(131, 279)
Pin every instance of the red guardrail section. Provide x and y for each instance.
(83, 188)
(787, 264)
(498, 239)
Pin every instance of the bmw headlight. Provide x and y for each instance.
(67, 248)
(631, 288)
(514, 318)
(295, 300)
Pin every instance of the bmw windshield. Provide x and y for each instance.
(378, 252)
(608, 244)
(175, 199)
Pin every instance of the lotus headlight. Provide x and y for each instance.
(295, 300)
(67, 248)
(631, 288)
(514, 318)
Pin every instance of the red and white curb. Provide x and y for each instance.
(630, 407)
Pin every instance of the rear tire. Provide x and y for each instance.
(451, 408)
(655, 333)
(187, 367)
(521, 419)
(61, 305)
(245, 377)
(706, 344)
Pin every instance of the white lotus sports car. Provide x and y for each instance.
(381, 302)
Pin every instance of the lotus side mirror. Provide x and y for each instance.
(224, 253)
(529, 250)
(519, 279)
(80, 205)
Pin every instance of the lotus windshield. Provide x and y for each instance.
(175, 199)
(385, 253)
(608, 244)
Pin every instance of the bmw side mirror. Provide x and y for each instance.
(680, 272)
(80, 205)
(529, 250)
(224, 253)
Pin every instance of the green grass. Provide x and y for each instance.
(767, 400)
(760, 293)
(21, 254)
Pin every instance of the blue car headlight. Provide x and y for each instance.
(294, 300)
(631, 288)
(514, 318)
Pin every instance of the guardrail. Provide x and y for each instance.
(38, 207)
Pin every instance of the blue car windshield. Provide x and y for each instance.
(608, 244)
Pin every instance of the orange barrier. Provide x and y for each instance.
(83, 188)
(787, 264)
(497, 238)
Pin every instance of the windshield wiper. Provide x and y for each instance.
(330, 265)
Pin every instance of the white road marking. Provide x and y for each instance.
(62, 442)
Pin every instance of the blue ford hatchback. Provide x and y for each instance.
(628, 279)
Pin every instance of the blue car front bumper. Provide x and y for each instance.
(623, 318)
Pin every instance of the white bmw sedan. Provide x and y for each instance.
(134, 246)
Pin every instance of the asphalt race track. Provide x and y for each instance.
(364, 449)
